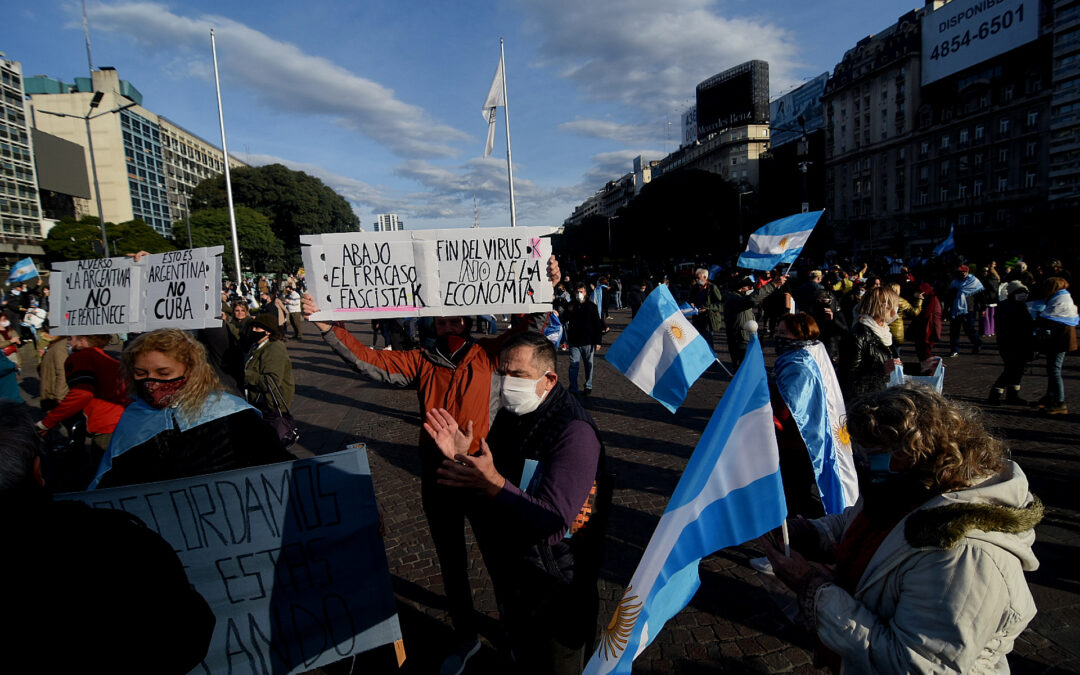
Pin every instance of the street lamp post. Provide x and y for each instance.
(748, 192)
(94, 103)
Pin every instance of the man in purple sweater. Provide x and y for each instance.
(542, 468)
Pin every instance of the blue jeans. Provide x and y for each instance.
(577, 355)
(1055, 386)
(967, 323)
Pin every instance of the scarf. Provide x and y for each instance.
(969, 286)
(882, 332)
(1061, 309)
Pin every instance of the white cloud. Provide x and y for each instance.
(651, 55)
(614, 131)
(282, 76)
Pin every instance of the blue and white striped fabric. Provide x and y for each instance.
(688, 309)
(660, 351)
(807, 383)
(947, 245)
(779, 242)
(22, 270)
(729, 493)
(553, 330)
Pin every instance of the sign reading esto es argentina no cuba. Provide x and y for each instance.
(370, 275)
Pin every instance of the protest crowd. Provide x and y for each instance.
(908, 529)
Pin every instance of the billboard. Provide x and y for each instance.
(689, 126)
(735, 97)
(803, 102)
(964, 33)
(61, 165)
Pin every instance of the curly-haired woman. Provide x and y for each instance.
(183, 422)
(929, 564)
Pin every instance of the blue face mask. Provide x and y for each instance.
(879, 466)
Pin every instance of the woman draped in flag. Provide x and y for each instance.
(1057, 321)
(929, 565)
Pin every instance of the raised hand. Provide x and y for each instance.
(444, 430)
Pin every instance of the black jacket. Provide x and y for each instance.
(94, 590)
(582, 324)
(1015, 331)
(235, 441)
(862, 362)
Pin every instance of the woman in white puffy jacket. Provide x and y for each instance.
(926, 571)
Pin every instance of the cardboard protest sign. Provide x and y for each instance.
(288, 556)
(371, 275)
(178, 289)
(183, 288)
(96, 297)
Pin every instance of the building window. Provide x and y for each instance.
(977, 218)
(1003, 155)
(980, 131)
(962, 220)
(944, 194)
(1002, 183)
(924, 149)
(976, 189)
(1031, 149)
(1007, 93)
(961, 191)
(945, 167)
(978, 160)
(922, 198)
(945, 142)
(1003, 126)
(1029, 179)
(1032, 119)
(963, 137)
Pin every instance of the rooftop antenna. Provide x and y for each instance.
(86, 32)
(475, 212)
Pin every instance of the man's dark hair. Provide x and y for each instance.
(19, 444)
(543, 352)
(581, 284)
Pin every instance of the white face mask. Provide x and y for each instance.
(5, 323)
(581, 297)
(519, 394)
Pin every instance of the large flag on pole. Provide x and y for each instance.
(22, 270)
(729, 493)
(779, 242)
(947, 245)
(807, 383)
(660, 351)
(496, 97)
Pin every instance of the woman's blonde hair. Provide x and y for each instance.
(879, 303)
(943, 441)
(201, 378)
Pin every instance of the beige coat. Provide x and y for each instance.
(51, 370)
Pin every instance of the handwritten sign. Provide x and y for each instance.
(369, 275)
(288, 556)
(178, 289)
(183, 288)
(96, 297)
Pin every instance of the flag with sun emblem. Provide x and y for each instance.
(807, 382)
(660, 351)
(729, 493)
(779, 242)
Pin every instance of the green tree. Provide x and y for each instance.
(75, 239)
(260, 248)
(295, 203)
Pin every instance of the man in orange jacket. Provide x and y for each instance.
(460, 374)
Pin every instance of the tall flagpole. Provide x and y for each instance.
(228, 178)
(509, 158)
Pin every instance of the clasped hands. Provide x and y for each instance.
(460, 469)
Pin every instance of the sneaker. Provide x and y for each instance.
(1057, 409)
(995, 397)
(588, 390)
(455, 663)
(762, 565)
(954, 355)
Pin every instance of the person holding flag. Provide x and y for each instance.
(740, 299)
(929, 565)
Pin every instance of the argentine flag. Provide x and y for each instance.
(22, 270)
(729, 493)
(779, 242)
(947, 245)
(808, 385)
(660, 351)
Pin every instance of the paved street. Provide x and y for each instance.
(734, 623)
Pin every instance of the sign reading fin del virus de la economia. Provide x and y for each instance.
(371, 275)
(964, 33)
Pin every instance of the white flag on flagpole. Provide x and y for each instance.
(496, 97)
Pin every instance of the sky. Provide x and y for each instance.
(382, 99)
